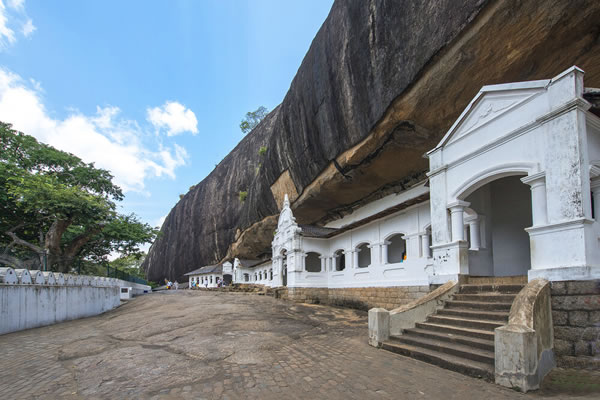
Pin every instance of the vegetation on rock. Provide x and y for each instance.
(252, 119)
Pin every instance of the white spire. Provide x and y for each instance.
(286, 201)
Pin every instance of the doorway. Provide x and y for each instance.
(503, 210)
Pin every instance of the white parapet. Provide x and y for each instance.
(37, 277)
(94, 281)
(85, 280)
(23, 276)
(60, 278)
(49, 278)
(8, 276)
(69, 280)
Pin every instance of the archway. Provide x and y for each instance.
(313, 262)
(502, 210)
(284, 268)
(364, 255)
(340, 260)
(396, 249)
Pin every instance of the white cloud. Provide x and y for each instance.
(174, 117)
(14, 18)
(28, 28)
(16, 4)
(111, 142)
(7, 35)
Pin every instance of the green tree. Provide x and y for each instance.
(253, 118)
(130, 264)
(52, 202)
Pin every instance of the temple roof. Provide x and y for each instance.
(317, 231)
(209, 269)
(246, 263)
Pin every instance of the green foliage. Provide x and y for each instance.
(180, 197)
(242, 196)
(130, 264)
(252, 119)
(51, 201)
(262, 151)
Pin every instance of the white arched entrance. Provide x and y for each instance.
(517, 158)
(499, 211)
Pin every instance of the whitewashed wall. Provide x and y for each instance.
(30, 299)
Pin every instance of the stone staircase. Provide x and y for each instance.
(460, 336)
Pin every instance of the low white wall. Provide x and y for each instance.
(30, 306)
(29, 299)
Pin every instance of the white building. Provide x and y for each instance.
(208, 276)
(258, 272)
(510, 192)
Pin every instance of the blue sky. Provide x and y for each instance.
(152, 90)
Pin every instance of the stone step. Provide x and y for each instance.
(501, 316)
(483, 344)
(490, 297)
(457, 330)
(475, 288)
(479, 305)
(465, 322)
(447, 361)
(442, 346)
(480, 280)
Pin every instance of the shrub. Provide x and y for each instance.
(243, 195)
(262, 150)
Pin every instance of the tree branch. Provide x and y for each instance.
(76, 244)
(24, 243)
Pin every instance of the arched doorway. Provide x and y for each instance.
(502, 211)
(284, 268)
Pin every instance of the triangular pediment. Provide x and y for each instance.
(491, 103)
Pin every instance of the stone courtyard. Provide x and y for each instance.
(211, 345)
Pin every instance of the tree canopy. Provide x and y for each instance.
(253, 118)
(53, 203)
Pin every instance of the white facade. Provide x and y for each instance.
(260, 273)
(510, 193)
(542, 133)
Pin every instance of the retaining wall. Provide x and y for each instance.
(576, 319)
(360, 298)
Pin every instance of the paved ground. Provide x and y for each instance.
(226, 346)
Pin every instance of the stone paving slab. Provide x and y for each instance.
(199, 345)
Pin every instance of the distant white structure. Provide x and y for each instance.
(208, 276)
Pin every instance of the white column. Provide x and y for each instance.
(474, 228)
(349, 258)
(456, 214)
(539, 209)
(331, 263)
(375, 253)
(425, 246)
(355, 258)
(384, 252)
(323, 263)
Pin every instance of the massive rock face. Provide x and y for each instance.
(381, 83)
